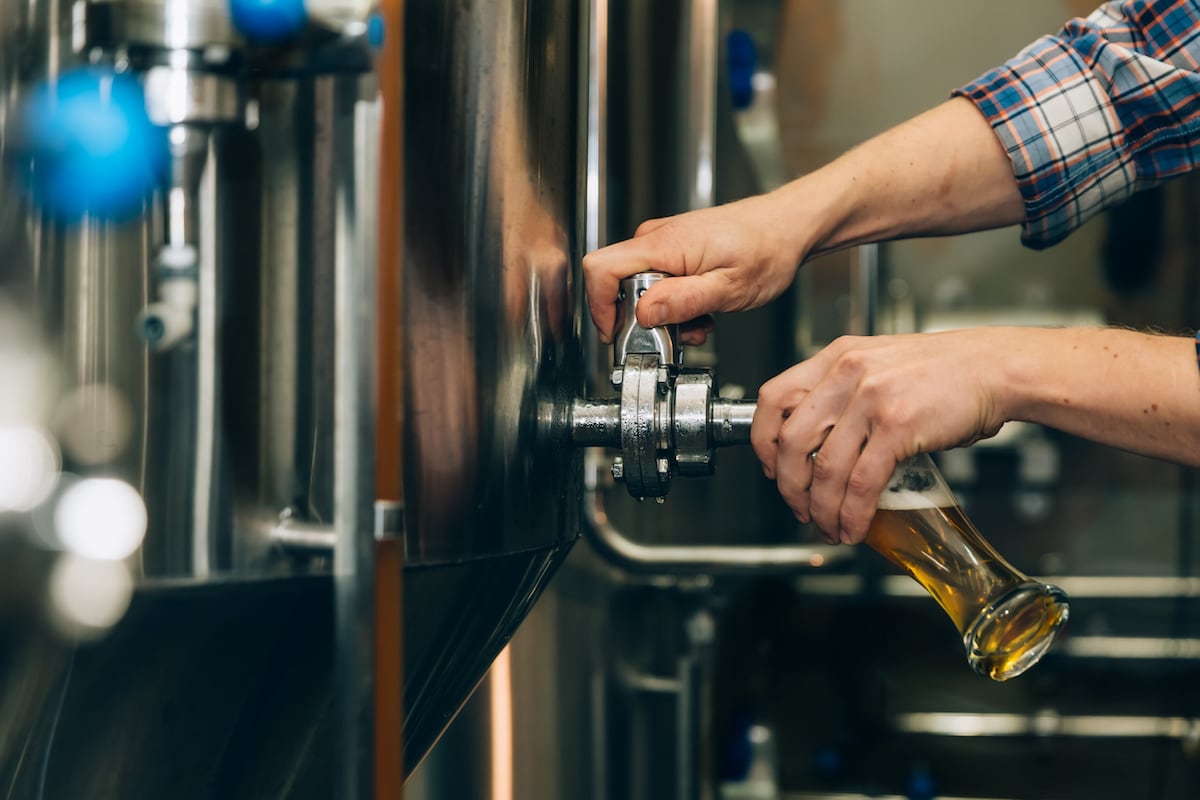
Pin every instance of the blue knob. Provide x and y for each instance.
(376, 30)
(920, 785)
(742, 61)
(268, 21)
(85, 145)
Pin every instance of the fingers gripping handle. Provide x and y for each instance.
(631, 337)
(668, 420)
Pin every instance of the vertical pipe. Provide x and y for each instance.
(355, 299)
(864, 291)
(701, 20)
(207, 399)
(389, 479)
(595, 230)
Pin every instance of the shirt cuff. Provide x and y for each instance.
(1061, 133)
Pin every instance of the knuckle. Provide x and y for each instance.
(770, 395)
(850, 364)
(856, 520)
(646, 226)
(861, 486)
(822, 469)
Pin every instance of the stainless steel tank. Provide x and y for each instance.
(245, 433)
(491, 327)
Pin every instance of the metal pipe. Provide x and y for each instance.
(856, 796)
(354, 447)
(635, 557)
(731, 420)
(295, 534)
(596, 423)
(1049, 723)
(702, 36)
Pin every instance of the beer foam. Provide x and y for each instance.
(898, 499)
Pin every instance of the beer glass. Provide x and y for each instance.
(1007, 620)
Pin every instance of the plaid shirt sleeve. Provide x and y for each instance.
(1109, 106)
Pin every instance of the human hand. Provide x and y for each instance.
(831, 430)
(728, 258)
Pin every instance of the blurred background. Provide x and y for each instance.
(287, 365)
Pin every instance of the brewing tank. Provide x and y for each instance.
(225, 327)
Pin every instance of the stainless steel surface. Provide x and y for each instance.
(354, 441)
(1131, 647)
(731, 420)
(858, 796)
(178, 93)
(701, 21)
(226, 431)
(683, 559)
(303, 536)
(666, 419)
(595, 423)
(1049, 723)
(265, 407)
(491, 307)
(199, 691)
(630, 337)
(645, 426)
(192, 25)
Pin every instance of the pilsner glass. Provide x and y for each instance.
(1007, 620)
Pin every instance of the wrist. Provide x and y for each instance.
(1013, 373)
(818, 207)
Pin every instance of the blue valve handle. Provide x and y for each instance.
(268, 21)
(84, 144)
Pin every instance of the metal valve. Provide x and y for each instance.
(668, 419)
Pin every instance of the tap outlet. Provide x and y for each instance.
(668, 420)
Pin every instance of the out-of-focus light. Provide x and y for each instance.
(28, 467)
(28, 377)
(94, 423)
(87, 597)
(100, 518)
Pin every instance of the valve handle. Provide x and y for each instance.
(633, 338)
(268, 21)
(85, 145)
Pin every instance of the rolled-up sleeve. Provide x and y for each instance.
(1109, 106)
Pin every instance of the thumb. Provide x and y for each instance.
(672, 301)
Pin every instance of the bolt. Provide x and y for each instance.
(618, 375)
(618, 469)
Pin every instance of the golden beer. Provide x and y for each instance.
(1008, 621)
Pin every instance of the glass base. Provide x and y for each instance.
(1012, 634)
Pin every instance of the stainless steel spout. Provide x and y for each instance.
(667, 420)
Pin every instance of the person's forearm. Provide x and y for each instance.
(1136, 391)
(942, 172)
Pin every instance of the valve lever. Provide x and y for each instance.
(668, 419)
